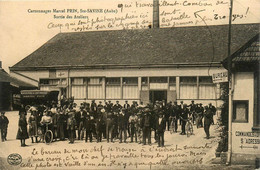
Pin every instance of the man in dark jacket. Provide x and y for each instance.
(122, 124)
(3, 126)
(207, 120)
(146, 125)
(192, 107)
(175, 115)
(160, 128)
(213, 111)
(93, 107)
(109, 126)
(89, 125)
(184, 118)
(80, 117)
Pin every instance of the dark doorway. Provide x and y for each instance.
(158, 95)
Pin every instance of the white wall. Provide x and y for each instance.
(244, 90)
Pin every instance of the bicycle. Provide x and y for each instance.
(172, 124)
(48, 136)
(189, 127)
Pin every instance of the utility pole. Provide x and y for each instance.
(230, 91)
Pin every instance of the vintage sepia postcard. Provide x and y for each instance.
(129, 84)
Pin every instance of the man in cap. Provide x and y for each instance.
(93, 107)
(133, 124)
(99, 107)
(127, 108)
(3, 126)
(71, 124)
(207, 120)
(146, 125)
(126, 105)
(122, 124)
(109, 126)
(175, 115)
(181, 106)
(160, 128)
(89, 125)
(192, 107)
(117, 107)
(168, 112)
(199, 111)
(213, 110)
(80, 118)
(184, 118)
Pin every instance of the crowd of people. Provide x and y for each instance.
(91, 121)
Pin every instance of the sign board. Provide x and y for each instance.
(17, 99)
(246, 142)
(220, 77)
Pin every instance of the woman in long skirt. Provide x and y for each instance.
(22, 133)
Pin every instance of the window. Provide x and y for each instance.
(44, 81)
(95, 90)
(207, 90)
(49, 81)
(79, 88)
(130, 88)
(79, 81)
(130, 81)
(240, 111)
(158, 79)
(113, 88)
(188, 88)
(113, 81)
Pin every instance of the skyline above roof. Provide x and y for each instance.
(164, 46)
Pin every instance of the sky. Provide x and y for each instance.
(22, 30)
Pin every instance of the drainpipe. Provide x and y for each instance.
(230, 117)
(230, 81)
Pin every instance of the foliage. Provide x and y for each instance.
(223, 143)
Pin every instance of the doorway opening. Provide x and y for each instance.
(158, 95)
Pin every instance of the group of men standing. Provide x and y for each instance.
(114, 121)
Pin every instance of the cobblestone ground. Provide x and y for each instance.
(180, 152)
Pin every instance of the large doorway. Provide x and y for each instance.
(158, 95)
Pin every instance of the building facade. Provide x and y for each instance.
(245, 103)
(135, 65)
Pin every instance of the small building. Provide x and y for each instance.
(10, 88)
(142, 65)
(246, 103)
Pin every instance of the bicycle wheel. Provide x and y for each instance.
(191, 129)
(171, 127)
(48, 137)
(188, 132)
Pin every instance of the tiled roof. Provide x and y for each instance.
(250, 53)
(5, 77)
(180, 45)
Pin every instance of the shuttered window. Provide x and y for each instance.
(188, 87)
(113, 88)
(207, 90)
(130, 88)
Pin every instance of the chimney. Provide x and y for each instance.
(156, 21)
